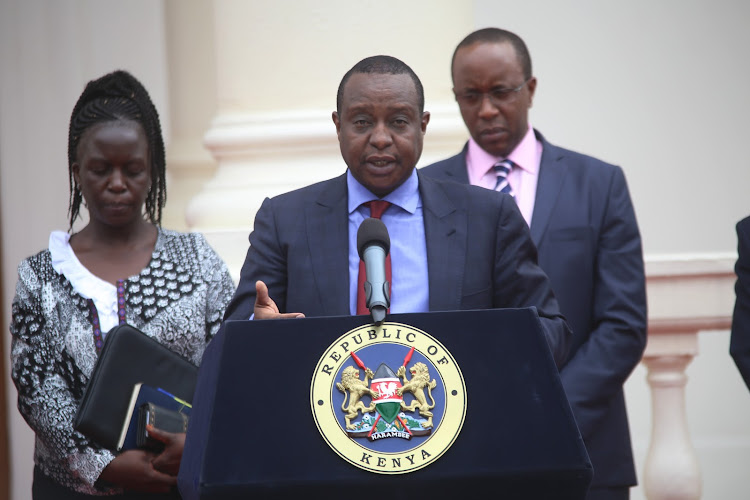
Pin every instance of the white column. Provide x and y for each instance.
(278, 69)
(192, 93)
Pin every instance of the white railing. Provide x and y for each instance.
(686, 296)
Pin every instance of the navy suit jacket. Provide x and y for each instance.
(589, 245)
(739, 346)
(479, 255)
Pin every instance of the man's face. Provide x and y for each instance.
(483, 75)
(380, 129)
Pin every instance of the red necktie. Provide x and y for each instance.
(376, 210)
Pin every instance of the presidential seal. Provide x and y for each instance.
(389, 399)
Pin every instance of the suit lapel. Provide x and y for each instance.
(328, 241)
(552, 170)
(445, 236)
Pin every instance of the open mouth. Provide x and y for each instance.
(381, 162)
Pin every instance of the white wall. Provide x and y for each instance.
(658, 87)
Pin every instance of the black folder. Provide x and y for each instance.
(128, 357)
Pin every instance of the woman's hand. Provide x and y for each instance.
(168, 461)
(134, 470)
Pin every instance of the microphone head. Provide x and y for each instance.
(372, 232)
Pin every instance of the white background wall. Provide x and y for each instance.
(656, 87)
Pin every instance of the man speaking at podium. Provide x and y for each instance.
(452, 246)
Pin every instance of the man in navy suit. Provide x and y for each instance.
(583, 224)
(452, 246)
(739, 346)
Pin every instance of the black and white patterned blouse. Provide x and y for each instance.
(178, 299)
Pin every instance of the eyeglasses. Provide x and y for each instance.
(497, 96)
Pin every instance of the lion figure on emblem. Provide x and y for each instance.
(419, 380)
(355, 388)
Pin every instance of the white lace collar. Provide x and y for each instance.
(88, 285)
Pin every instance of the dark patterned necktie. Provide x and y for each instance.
(377, 208)
(502, 169)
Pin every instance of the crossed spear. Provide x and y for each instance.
(363, 367)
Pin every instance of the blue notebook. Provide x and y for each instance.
(143, 393)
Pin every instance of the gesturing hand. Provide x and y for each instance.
(265, 307)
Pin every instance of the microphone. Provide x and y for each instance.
(373, 245)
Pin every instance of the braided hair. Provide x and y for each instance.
(118, 96)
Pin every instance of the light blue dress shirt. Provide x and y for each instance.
(405, 224)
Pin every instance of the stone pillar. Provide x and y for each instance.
(188, 27)
(278, 69)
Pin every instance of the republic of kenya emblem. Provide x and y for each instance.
(389, 422)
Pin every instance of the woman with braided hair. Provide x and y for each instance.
(121, 267)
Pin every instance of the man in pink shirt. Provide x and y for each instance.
(582, 221)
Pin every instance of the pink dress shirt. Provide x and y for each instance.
(523, 180)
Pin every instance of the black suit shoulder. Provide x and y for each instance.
(743, 226)
(450, 169)
(330, 188)
(577, 162)
(739, 345)
(440, 166)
